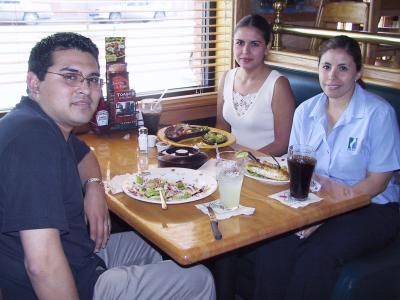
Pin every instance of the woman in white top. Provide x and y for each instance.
(255, 103)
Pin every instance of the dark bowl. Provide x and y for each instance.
(181, 157)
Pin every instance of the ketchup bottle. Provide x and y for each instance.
(100, 122)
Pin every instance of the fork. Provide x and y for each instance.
(253, 157)
(273, 157)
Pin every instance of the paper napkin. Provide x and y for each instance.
(222, 213)
(284, 198)
(115, 184)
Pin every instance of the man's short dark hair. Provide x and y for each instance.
(41, 57)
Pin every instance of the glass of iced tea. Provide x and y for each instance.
(151, 112)
(301, 163)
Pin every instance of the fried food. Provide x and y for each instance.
(268, 170)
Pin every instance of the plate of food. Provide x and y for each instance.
(267, 170)
(185, 135)
(179, 185)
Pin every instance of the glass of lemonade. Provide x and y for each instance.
(230, 178)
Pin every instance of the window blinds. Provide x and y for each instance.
(180, 47)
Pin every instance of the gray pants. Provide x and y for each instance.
(137, 271)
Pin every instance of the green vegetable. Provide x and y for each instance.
(213, 137)
(180, 185)
(241, 154)
(139, 179)
(185, 195)
(150, 192)
(251, 171)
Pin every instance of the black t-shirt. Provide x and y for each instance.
(40, 188)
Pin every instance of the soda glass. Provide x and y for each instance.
(301, 163)
(151, 112)
(230, 178)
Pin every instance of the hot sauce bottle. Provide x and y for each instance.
(100, 122)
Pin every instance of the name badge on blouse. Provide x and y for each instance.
(352, 144)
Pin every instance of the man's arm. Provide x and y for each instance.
(46, 264)
(95, 204)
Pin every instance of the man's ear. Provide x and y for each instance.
(33, 83)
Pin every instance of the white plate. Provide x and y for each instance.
(189, 176)
(282, 161)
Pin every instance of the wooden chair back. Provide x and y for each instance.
(378, 9)
(332, 13)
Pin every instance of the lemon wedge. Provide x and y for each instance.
(241, 154)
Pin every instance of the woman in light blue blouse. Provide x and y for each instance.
(356, 137)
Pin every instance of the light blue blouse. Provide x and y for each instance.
(365, 139)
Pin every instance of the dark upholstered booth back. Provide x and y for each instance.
(306, 85)
(371, 277)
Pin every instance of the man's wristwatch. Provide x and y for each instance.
(93, 180)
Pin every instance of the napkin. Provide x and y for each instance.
(315, 186)
(115, 184)
(222, 213)
(284, 198)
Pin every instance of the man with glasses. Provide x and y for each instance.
(46, 251)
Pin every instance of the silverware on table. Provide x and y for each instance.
(217, 155)
(162, 199)
(253, 157)
(273, 157)
(214, 223)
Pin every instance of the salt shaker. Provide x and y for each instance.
(142, 139)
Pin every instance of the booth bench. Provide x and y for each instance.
(374, 276)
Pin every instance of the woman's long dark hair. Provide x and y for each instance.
(258, 22)
(351, 47)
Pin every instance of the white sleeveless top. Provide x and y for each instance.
(252, 121)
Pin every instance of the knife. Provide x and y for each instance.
(214, 223)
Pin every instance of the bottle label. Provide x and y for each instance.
(102, 118)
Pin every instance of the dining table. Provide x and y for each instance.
(183, 231)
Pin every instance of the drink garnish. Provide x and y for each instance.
(242, 154)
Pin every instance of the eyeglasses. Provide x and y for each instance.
(76, 79)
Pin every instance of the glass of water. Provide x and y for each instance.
(142, 161)
(230, 178)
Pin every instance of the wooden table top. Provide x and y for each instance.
(183, 231)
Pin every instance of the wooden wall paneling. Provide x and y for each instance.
(242, 8)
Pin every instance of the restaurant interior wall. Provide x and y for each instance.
(295, 51)
(177, 46)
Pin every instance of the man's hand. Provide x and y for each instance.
(95, 205)
(97, 215)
